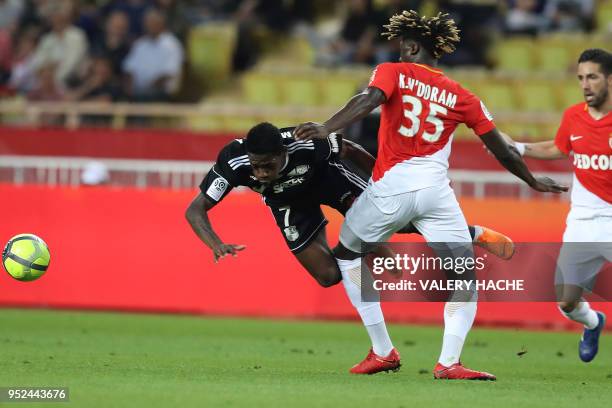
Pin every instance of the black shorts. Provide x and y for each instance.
(299, 222)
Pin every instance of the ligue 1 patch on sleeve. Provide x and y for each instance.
(217, 188)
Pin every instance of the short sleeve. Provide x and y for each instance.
(476, 116)
(328, 148)
(384, 78)
(220, 179)
(562, 139)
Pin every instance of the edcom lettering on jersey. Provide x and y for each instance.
(593, 162)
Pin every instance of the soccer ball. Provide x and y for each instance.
(26, 257)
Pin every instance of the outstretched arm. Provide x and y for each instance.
(358, 107)
(357, 155)
(509, 157)
(543, 150)
(547, 150)
(197, 216)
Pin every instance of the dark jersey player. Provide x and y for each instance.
(295, 178)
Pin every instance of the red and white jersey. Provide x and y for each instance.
(423, 109)
(591, 142)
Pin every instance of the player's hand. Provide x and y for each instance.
(310, 130)
(548, 185)
(227, 249)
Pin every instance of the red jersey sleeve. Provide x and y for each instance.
(477, 116)
(562, 139)
(384, 78)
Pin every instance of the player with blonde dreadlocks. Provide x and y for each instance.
(438, 35)
(421, 108)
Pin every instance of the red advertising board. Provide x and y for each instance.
(128, 249)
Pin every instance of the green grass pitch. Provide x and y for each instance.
(129, 360)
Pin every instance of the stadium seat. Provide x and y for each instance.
(261, 89)
(571, 93)
(300, 50)
(515, 54)
(537, 96)
(604, 17)
(286, 120)
(337, 89)
(554, 55)
(521, 131)
(210, 48)
(549, 130)
(209, 123)
(300, 90)
(497, 95)
(238, 123)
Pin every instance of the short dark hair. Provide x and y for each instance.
(264, 138)
(439, 35)
(598, 56)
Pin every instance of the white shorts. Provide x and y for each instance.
(434, 211)
(587, 245)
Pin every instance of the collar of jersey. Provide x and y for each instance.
(586, 111)
(427, 67)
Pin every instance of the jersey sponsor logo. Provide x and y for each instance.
(485, 111)
(217, 188)
(593, 162)
(574, 138)
(428, 92)
(286, 135)
(291, 233)
(333, 142)
(299, 170)
(279, 188)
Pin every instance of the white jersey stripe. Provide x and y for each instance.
(300, 148)
(240, 165)
(351, 175)
(299, 142)
(239, 158)
(238, 161)
(354, 178)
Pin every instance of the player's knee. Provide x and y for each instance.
(330, 277)
(327, 282)
(567, 306)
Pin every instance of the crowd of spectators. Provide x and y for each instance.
(96, 50)
(481, 21)
(66, 50)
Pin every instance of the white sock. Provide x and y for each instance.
(458, 319)
(583, 313)
(370, 312)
